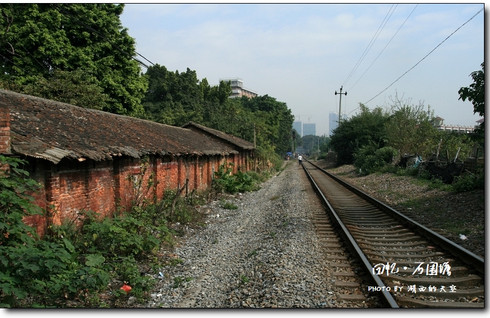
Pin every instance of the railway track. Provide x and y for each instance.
(407, 265)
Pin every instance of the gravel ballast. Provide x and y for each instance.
(264, 254)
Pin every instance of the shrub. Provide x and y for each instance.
(225, 181)
(35, 272)
(368, 159)
(229, 206)
(70, 266)
(468, 182)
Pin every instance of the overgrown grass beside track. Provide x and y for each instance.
(84, 263)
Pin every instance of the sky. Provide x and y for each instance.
(301, 54)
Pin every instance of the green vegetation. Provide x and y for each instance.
(244, 279)
(83, 264)
(225, 181)
(82, 55)
(71, 52)
(179, 281)
(375, 140)
(369, 159)
(229, 206)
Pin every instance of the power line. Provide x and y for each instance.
(373, 39)
(424, 56)
(381, 52)
(145, 59)
(88, 27)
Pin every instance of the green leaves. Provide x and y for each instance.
(94, 260)
(232, 183)
(475, 92)
(83, 46)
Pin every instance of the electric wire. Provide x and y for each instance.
(89, 28)
(381, 52)
(424, 57)
(145, 59)
(370, 44)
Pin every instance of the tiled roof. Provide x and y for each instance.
(52, 130)
(241, 143)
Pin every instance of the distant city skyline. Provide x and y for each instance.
(304, 129)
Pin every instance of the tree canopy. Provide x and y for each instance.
(43, 42)
(81, 54)
(176, 98)
(366, 128)
(475, 93)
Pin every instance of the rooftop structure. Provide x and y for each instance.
(237, 89)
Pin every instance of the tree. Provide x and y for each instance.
(475, 93)
(75, 87)
(277, 121)
(37, 40)
(364, 129)
(410, 129)
(174, 98)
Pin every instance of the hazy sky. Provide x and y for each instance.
(301, 54)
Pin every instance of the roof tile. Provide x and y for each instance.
(53, 130)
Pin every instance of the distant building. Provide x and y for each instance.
(333, 122)
(309, 129)
(237, 89)
(298, 126)
(439, 123)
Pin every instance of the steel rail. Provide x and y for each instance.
(453, 248)
(387, 297)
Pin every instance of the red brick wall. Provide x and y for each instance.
(4, 130)
(100, 188)
(70, 188)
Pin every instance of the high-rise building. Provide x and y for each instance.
(298, 126)
(309, 129)
(333, 122)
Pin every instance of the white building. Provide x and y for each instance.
(237, 89)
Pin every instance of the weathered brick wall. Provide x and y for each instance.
(4, 130)
(37, 173)
(100, 188)
(71, 187)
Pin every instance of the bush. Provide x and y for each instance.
(468, 182)
(368, 159)
(225, 181)
(70, 266)
(74, 265)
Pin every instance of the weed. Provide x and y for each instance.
(468, 182)
(175, 261)
(244, 279)
(252, 253)
(229, 206)
(179, 281)
(225, 181)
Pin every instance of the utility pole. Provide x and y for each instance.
(340, 102)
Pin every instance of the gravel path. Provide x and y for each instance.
(265, 254)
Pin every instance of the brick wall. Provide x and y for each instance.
(4, 130)
(71, 187)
